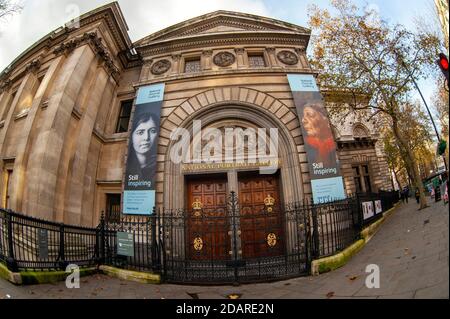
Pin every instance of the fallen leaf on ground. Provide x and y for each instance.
(330, 294)
(353, 278)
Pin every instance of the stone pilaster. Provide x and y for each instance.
(24, 146)
(240, 57)
(272, 58)
(302, 57)
(207, 59)
(146, 69)
(22, 92)
(75, 178)
(46, 154)
(176, 63)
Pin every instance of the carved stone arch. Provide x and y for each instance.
(360, 131)
(239, 95)
(291, 174)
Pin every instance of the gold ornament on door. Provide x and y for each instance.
(197, 207)
(269, 201)
(271, 240)
(198, 244)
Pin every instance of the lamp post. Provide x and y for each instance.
(423, 99)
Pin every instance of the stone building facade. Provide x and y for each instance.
(66, 102)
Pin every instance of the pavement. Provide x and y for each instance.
(410, 249)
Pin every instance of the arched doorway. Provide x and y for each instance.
(232, 213)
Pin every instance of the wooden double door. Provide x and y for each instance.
(212, 233)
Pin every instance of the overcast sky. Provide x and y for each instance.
(40, 17)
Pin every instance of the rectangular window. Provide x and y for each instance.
(357, 179)
(256, 61)
(113, 207)
(124, 116)
(192, 65)
(361, 177)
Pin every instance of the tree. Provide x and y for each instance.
(7, 8)
(440, 104)
(359, 52)
(414, 123)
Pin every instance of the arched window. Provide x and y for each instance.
(360, 131)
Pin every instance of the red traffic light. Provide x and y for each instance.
(443, 61)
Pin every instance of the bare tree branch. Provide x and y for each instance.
(8, 8)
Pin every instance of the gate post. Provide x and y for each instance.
(62, 257)
(154, 248)
(102, 256)
(233, 204)
(11, 261)
(316, 241)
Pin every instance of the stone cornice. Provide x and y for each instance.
(356, 144)
(112, 16)
(114, 21)
(5, 85)
(231, 19)
(33, 66)
(236, 23)
(217, 40)
(92, 39)
(223, 72)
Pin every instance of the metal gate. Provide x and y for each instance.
(207, 248)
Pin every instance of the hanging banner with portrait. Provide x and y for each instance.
(326, 180)
(140, 189)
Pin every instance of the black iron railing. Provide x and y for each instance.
(227, 244)
(32, 243)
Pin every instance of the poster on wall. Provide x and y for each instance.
(140, 189)
(326, 180)
(367, 208)
(378, 207)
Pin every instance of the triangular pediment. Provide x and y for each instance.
(221, 22)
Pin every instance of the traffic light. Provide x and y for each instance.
(443, 64)
(442, 146)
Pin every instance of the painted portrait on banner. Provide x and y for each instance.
(320, 146)
(319, 137)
